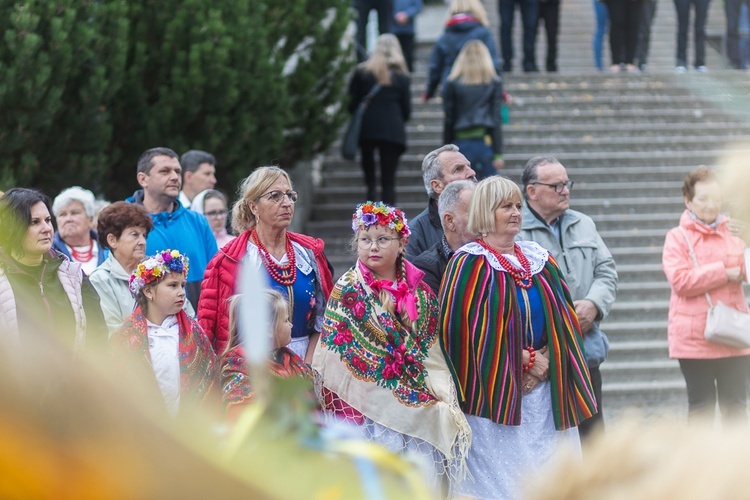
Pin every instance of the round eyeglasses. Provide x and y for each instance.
(382, 242)
(277, 196)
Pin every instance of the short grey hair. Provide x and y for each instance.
(449, 197)
(75, 193)
(432, 168)
(531, 170)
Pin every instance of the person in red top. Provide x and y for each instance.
(294, 263)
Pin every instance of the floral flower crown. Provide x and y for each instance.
(371, 213)
(153, 269)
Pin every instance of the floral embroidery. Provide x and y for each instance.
(377, 347)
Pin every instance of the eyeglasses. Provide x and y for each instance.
(277, 196)
(559, 187)
(382, 242)
(217, 213)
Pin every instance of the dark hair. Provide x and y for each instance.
(15, 215)
(191, 160)
(119, 216)
(145, 162)
(213, 193)
(531, 170)
(700, 174)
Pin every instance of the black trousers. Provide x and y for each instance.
(597, 421)
(549, 14)
(648, 11)
(384, 8)
(624, 17)
(389, 153)
(407, 47)
(707, 378)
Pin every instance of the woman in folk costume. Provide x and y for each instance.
(511, 334)
(162, 336)
(236, 388)
(379, 357)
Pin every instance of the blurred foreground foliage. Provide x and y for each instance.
(85, 87)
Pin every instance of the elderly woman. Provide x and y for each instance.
(75, 238)
(379, 356)
(213, 205)
(42, 290)
(710, 369)
(294, 264)
(510, 330)
(123, 228)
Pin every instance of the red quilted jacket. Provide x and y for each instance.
(220, 278)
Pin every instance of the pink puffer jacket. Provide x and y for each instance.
(716, 250)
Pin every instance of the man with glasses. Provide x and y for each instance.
(588, 267)
(175, 227)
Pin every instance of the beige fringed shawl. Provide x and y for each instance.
(371, 361)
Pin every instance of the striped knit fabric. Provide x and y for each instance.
(482, 334)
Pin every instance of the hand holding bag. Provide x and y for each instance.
(724, 325)
(351, 136)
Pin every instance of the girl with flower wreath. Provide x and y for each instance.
(162, 336)
(379, 357)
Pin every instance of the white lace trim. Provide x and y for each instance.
(536, 255)
(302, 258)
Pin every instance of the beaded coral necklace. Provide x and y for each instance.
(521, 276)
(283, 274)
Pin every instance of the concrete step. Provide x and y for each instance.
(625, 310)
(645, 350)
(641, 372)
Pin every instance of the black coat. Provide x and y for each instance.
(468, 106)
(386, 116)
(433, 263)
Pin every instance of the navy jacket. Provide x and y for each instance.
(412, 8)
(460, 29)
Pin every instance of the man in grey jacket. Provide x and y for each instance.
(572, 239)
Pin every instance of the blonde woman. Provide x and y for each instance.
(472, 102)
(467, 20)
(384, 122)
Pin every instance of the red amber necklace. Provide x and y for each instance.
(284, 275)
(522, 276)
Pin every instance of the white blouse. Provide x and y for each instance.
(164, 347)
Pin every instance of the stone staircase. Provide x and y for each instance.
(627, 141)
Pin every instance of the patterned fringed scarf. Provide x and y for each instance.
(235, 381)
(482, 333)
(197, 358)
(396, 377)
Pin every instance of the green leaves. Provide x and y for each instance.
(85, 87)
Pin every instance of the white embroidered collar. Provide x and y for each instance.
(536, 255)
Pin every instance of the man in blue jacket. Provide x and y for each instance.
(175, 227)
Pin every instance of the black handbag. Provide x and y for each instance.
(351, 136)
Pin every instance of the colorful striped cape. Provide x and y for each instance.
(482, 335)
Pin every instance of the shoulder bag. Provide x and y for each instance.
(724, 325)
(351, 136)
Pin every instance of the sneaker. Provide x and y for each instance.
(702, 69)
(680, 70)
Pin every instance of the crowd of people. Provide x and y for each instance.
(395, 351)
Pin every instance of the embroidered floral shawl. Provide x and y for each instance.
(394, 376)
(235, 381)
(483, 337)
(197, 358)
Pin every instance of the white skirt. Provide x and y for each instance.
(504, 458)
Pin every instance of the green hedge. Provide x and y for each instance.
(85, 87)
